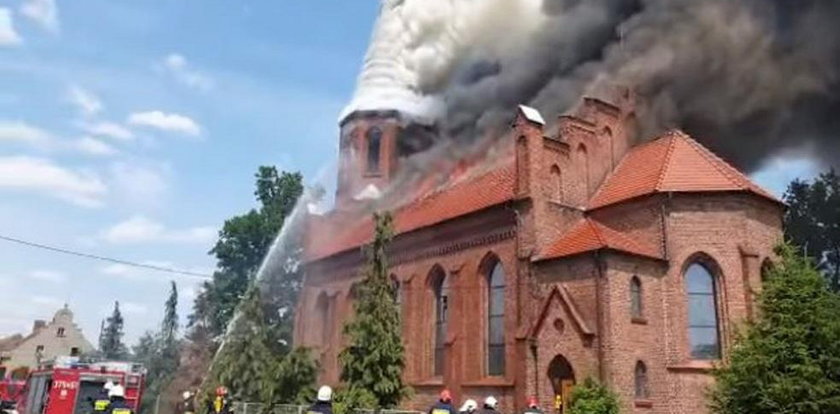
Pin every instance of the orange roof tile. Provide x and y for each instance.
(671, 163)
(486, 190)
(589, 235)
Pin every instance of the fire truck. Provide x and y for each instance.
(11, 387)
(66, 386)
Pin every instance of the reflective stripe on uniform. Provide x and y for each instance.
(100, 405)
(121, 411)
(440, 411)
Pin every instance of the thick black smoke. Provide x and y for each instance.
(748, 78)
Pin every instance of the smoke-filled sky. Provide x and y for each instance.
(752, 79)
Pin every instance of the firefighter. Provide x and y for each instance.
(444, 404)
(102, 400)
(323, 405)
(469, 407)
(187, 404)
(533, 406)
(118, 404)
(220, 404)
(490, 405)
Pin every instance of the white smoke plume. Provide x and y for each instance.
(749, 78)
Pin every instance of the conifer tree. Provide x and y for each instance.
(244, 361)
(111, 345)
(374, 360)
(788, 361)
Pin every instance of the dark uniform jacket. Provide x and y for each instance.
(320, 407)
(101, 402)
(119, 406)
(442, 408)
(486, 410)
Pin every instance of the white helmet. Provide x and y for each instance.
(108, 385)
(469, 406)
(117, 391)
(186, 394)
(325, 394)
(491, 402)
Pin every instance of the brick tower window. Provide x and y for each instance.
(374, 148)
(323, 312)
(440, 287)
(496, 320)
(703, 329)
(636, 298)
(641, 380)
(556, 184)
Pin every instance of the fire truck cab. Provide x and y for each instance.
(69, 387)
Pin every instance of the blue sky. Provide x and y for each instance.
(132, 129)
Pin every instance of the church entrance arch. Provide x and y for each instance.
(562, 379)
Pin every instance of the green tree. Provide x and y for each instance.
(348, 400)
(158, 352)
(373, 360)
(243, 243)
(169, 326)
(788, 361)
(292, 379)
(592, 397)
(812, 222)
(111, 345)
(244, 361)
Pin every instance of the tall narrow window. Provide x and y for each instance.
(374, 149)
(440, 286)
(583, 158)
(496, 321)
(635, 298)
(323, 306)
(641, 380)
(60, 333)
(703, 329)
(556, 184)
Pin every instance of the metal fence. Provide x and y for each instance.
(257, 408)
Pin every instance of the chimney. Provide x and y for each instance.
(38, 325)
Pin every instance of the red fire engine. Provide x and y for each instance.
(69, 387)
(11, 387)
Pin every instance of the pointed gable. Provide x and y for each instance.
(671, 163)
(561, 295)
(589, 235)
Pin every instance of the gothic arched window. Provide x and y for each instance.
(641, 380)
(440, 288)
(374, 136)
(703, 328)
(636, 298)
(496, 320)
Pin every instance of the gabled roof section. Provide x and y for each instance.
(561, 293)
(486, 190)
(673, 162)
(589, 235)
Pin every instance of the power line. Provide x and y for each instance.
(104, 258)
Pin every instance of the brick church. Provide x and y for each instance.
(578, 252)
